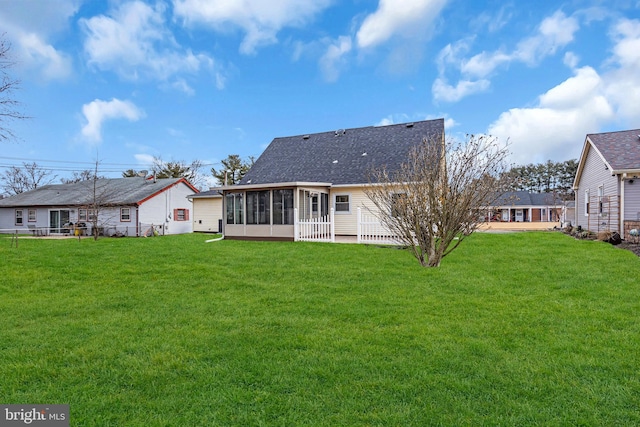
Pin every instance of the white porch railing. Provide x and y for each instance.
(371, 230)
(321, 229)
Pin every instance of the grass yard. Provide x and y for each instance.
(512, 329)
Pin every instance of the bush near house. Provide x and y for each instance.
(512, 329)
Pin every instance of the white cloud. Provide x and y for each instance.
(144, 159)
(391, 119)
(406, 18)
(555, 128)
(260, 20)
(38, 54)
(29, 24)
(333, 61)
(483, 64)
(443, 91)
(98, 111)
(554, 32)
(623, 81)
(135, 43)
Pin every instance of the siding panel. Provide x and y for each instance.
(594, 175)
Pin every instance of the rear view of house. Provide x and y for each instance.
(125, 206)
(319, 177)
(607, 185)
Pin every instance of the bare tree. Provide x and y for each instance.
(8, 104)
(85, 175)
(30, 176)
(431, 203)
(99, 199)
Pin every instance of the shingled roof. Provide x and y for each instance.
(621, 150)
(525, 198)
(116, 192)
(340, 157)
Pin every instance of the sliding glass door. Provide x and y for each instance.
(58, 219)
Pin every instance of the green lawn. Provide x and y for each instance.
(512, 329)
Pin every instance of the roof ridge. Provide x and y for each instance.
(361, 128)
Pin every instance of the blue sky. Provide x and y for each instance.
(123, 81)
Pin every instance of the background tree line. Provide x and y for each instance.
(548, 177)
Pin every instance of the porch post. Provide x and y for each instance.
(296, 225)
(359, 226)
(333, 226)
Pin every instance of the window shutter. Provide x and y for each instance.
(186, 214)
(175, 214)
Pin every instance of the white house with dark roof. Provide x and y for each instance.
(303, 183)
(523, 206)
(607, 183)
(127, 206)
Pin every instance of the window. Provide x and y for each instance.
(258, 207)
(125, 214)
(600, 197)
(181, 214)
(283, 207)
(31, 215)
(235, 208)
(586, 202)
(86, 215)
(342, 203)
(19, 217)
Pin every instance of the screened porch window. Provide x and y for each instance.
(259, 207)
(235, 208)
(283, 207)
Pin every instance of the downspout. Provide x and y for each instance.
(621, 215)
(137, 221)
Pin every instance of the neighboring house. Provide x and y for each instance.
(207, 211)
(125, 206)
(607, 189)
(522, 206)
(317, 179)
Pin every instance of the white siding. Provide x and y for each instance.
(594, 175)
(159, 210)
(632, 200)
(347, 224)
(206, 214)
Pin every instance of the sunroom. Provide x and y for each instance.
(269, 212)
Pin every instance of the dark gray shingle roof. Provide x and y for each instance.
(620, 149)
(336, 157)
(524, 198)
(117, 191)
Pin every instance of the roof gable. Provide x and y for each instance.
(113, 191)
(340, 157)
(620, 150)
